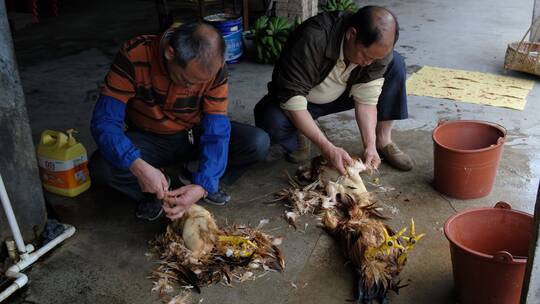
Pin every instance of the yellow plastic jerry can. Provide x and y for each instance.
(63, 163)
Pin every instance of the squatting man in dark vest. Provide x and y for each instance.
(335, 62)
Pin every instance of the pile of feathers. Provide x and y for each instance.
(195, 252)
(377, 253)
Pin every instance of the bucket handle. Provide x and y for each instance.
(501, 140)
(534, 29)
(503, 256)
(503, 205)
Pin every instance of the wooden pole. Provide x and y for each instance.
(535, 31)
(245, 14)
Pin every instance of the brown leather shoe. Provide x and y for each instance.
(395, 157)
(302, 152)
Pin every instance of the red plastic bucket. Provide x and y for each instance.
(489, 248)
(466, 155)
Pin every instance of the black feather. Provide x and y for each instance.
(189, 277)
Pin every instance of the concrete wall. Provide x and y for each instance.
(17, 153)
(292, 9)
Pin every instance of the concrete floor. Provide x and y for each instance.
(63, 60)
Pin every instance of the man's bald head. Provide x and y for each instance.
(198, 41)
(375, 24)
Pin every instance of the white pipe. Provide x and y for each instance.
(20, 281)
(34, 256)
(6, 204)
(27, 254)
(29, 248)
(14, 271)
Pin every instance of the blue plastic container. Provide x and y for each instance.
(230, 27)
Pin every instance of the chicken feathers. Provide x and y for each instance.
(377, 253)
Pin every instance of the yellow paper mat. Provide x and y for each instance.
(467, 86)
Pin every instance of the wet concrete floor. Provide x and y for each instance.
(63, 61)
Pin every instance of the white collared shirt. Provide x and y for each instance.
(334, 85)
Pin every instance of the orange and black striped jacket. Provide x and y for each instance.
(138, 77)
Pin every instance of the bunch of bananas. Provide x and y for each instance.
(339, 5)
(270, 35)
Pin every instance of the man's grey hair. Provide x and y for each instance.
(197, 40)
(368, 29)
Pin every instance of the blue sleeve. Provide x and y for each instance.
(214, 147)
(107, 127)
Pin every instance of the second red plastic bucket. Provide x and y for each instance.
(466, 156)
(489, 248)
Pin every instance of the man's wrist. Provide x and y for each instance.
(136, 166)
(326, 147)
(370, 145)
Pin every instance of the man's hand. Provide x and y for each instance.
(150, 179)
(371, 158)
(180, 200)
(337, 157)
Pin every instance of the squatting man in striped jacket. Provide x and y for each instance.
(171, 93)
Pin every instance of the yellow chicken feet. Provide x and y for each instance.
(237, 246)
(410, 240)
(389, 242)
